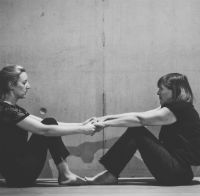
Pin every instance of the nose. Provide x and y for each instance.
(28, 86)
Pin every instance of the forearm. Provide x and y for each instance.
(124, 121)
(69, 124)
(124, 115)
(114, 116)
(157, 117)
(59, 123)
(61, 130)
(34, 126)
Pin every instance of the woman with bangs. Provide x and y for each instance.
(169, 158)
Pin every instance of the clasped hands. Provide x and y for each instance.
(94, 125)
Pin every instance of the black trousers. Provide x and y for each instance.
(163, 165)
(24, 169)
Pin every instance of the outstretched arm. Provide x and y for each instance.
(117, 116)
(34, 125)
(63, 123)
(158, 116)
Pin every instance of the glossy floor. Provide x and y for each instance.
(126, 187)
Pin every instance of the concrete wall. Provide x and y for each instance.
(93, 57)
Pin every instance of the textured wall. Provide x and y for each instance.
(92, 57)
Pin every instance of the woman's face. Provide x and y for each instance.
(165, 94)
(20, 89)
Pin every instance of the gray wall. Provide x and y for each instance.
(93, 57)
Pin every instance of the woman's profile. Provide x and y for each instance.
(22, 160)
(169, 158)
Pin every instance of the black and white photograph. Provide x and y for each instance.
(99, 97)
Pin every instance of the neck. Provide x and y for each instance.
(10, 99)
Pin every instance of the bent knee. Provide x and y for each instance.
(138, 131)
(49, 121)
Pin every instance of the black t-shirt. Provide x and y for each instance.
(183, 137)
(12, 138)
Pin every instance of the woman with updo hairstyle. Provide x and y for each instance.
(22, 160)
(170, 156)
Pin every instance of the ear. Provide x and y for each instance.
(10, 85)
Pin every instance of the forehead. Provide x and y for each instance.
(23, 76)
(162, 86)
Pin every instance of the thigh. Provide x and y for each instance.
(34, 158)
(21, 171)
(36, 146)
(163, 165)
(25, 168)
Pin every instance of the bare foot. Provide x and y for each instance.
(68, 178)
(71, 180)
(104, 178)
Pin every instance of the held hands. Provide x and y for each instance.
(92, 119)
(89, 129)
(97, 125)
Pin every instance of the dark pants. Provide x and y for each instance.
(24, 169)
(164, 166)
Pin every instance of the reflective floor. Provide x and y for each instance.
(126, 187)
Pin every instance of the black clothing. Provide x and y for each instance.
(12, 138)
(183, 136)
(168, 158)
(166, 168)
(22, 160)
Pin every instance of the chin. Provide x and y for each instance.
(163, 102)
(22, 97)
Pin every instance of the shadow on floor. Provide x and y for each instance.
(122, 181)
(39, 183)
(147, 182)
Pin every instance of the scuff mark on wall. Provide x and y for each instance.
(42, 14)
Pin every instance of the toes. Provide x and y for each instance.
(73, 182)
(89, 180)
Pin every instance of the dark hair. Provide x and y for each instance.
(9, 74)
(178, 83)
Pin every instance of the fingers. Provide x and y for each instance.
(89, 120)
(91, 129)
(99, 124)
(94, 125)
(94, 120)
(97, 129)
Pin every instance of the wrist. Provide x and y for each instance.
(106, 124)
(81, 128)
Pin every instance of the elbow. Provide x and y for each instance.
(141, 121)
(49, 131)
(44, 131)
(135, 121)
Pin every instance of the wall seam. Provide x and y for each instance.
(103, 71)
